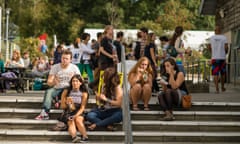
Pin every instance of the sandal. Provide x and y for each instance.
(92, 127)
(111, 128)
(223, 89)
(135, 108)
(146, 109)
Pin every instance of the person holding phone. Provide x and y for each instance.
(174, 88)
(73, 102)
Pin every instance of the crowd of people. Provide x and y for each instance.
(64, 73)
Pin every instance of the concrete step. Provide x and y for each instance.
(105, 142)
(188, 115)
(137, 125)
(36, 102)
(205, 122)
(44, 135)
(25, 113)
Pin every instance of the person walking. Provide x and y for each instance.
(218, 47)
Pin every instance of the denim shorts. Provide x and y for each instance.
(180, 94)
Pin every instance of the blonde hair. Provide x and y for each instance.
(139, 62)
(17, 52)
(107, 28)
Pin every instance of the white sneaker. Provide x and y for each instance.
(77, 139)
(42, 116)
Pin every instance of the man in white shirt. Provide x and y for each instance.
(58, 79)
(218, 47)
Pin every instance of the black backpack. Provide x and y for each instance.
(137, 50)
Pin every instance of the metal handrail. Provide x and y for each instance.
(199, 71)
(127, 127)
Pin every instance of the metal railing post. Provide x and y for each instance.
(127, 126)
(6, 37)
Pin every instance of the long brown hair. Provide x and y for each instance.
(178, 32)
(111, 81)
(172, 62)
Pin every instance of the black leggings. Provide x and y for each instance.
(168, 98)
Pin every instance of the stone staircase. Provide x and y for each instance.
(206, 122)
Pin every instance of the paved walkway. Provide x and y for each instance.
(232, 94)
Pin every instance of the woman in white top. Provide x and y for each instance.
(16, 60)
(76, 52)
(85, 60)
(177, 42)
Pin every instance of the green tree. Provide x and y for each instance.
(68, 18)
(174, 13)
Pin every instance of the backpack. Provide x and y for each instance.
(37, 84)
(137, 50)
(171, 50)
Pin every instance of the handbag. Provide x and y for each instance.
(187, 101)
(171, 50)
(60, 126)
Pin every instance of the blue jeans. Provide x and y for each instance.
(48, 97)
(103, 118)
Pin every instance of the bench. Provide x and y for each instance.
(18, 83)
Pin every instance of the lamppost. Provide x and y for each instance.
(0, 29)
(7, 22)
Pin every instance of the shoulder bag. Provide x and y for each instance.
(187, 101)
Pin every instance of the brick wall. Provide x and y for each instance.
(231, 19)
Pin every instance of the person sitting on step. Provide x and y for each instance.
(140, 79)
(73, 102)
(58, 79)
(173, 83)
(110, 102)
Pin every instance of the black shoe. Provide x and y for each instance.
(83, 140)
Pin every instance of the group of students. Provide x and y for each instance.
(66, 81)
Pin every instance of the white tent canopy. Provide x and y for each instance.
(192, 39)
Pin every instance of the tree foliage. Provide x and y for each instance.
(68, 18)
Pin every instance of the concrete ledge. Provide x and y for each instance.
(92, 142)
(27, 110)
(20, 99)
(189, 134)
(134, 122)
(120, 133)
(188, 112)
(187, 123)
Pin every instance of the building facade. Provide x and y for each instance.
(227, 16)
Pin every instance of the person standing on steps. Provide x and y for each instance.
(218, 47)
